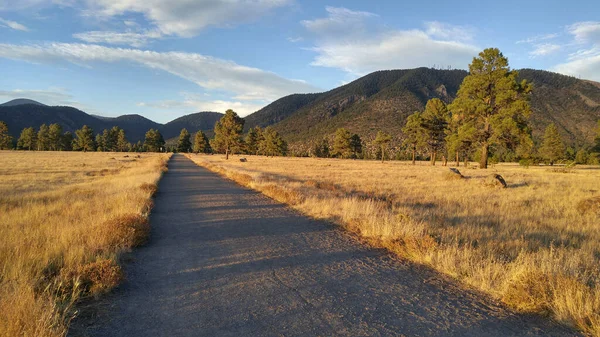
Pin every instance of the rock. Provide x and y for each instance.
(496, 180)
(454, 173)
(243, 160)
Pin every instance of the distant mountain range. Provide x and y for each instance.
(23, 113)
(379, 101)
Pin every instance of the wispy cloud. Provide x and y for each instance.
(184, 17)
(134, 39)
(544, 49)
(191, 102)
(13, 25)
(50, 96)
(351, 41)
(539, 38)
(208, 72)
(585, 61)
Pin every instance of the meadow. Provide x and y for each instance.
(65, 220)
(533, 245)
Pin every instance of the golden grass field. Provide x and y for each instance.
(534, 245)
(65, 217)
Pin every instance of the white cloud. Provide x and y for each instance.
(349, 41)
(208, 72)
(295, 39)
(196, 103)
(538, 38)
(184, 17)
(585, 32)
(133, 39)
(544, 49)
(13, 25)
(584, 62)
(447, 31)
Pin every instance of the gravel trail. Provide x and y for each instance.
(224, 260)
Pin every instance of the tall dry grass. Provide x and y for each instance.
(65, 217)
(534, 245)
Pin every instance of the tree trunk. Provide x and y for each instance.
(484, 156)
(457, 161)
(413, 155)
(433, 155)
(445, 160)
(226, 154)
(382, 154)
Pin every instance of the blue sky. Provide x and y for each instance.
(166, 58)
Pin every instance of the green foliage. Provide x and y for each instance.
(382, 140)
(552, 149)
(321, 149)
(201, 144)
(272, 144)
(184, 144)
(55, 137)
(582, 157)
(122, 143)
(355, 145)
(342, 144)
(492, 101)
(67, 141)
(253, 139)
(154, 141)
(43, 138)
(27, 139)
(5, 138)
(84, 140)
(435, 122)
(415, 136)
(228, 133)
(596, 147)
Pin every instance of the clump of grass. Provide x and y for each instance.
(533, 245)
(65, 218)
(150, 188)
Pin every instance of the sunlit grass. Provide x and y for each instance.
(534, 245)
(65, 217)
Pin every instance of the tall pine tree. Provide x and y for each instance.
(228, 133)
(184, 144)
(5, 139)
(553, 148)
(491, 100)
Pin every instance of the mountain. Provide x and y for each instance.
(135, 126)
(204, 121)
(382, 100)
(20, 116)
(278, 110)
(21, 101)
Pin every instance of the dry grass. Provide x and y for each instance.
(534, 245)
(65, 217)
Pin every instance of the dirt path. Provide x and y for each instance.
(227, 261)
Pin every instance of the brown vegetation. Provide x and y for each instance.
(533, 245)
(65, 217)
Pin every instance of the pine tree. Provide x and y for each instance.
(67, 141)
(100, 139)
(341, 143)
(321, 149)
(252, 140)
(43, 138)
(184, 144)
(228, 132)
(122, 143)
(355, 145)
(201, 144)
(459, 140)
(552, 148)
(154, 141)
(27, 139)
(581, 157)
(382, 140)
(5, 138)
(435, 122)
(84, 140)
(490, 97)
(596, 148)
(55, 135)
(272, 144)
(414, 134)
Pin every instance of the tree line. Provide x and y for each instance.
(487, 121)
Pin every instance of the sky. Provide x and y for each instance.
(166, 58)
